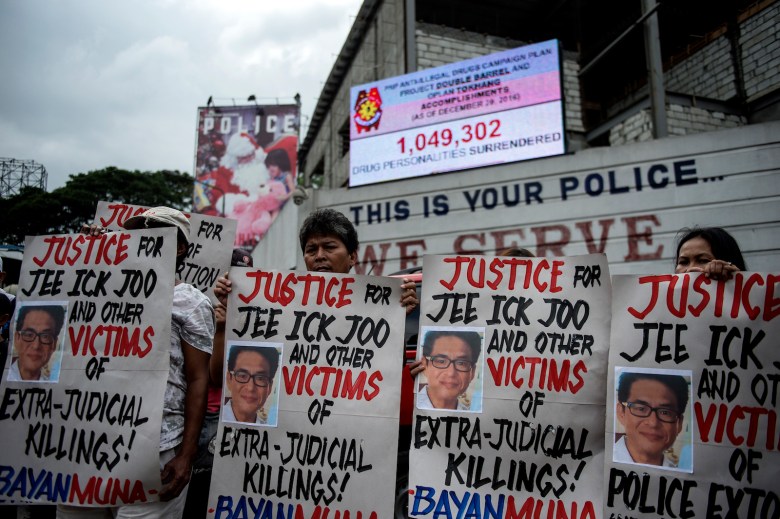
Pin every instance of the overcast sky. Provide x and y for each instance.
(88, 84)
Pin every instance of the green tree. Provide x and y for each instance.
(34, 211)
(31, 212)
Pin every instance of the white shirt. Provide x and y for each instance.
(15, 376)
(10, 296)
(620, 454)
(192, 320)
(424, 401)
(229, 416)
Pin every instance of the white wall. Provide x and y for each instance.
(733, 181)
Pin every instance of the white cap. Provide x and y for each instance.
(165, 215)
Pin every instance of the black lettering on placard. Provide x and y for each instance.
(569, 343)
(243, 443)
(564, 312)
(554, 442)
(198, 275)
(150, 246)
(258, 322)
(507, 341)
(724, 338)
(313, 327)
(377, 293)
(331, 452)
(510, 310)
(96, 367)
(765, 386)
(111, 408)
(27, 403)
(193, 249)
(718, 384)
(349, 356)
(122, 312)
(475, 471)
(298, 484)
(663, 352)
(529, 403)
(318, 411)
(305, 354)
(365, 330)
(90, 283)
(589, 275)
(210, 230)
(448, 431)
(82, 311)
(137, 283)
(744, 462)
(724, 501)
(457, 314)
(661, 495)
(75, 445)
(50, 282)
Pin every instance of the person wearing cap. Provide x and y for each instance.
(192, 334)
(198, 491)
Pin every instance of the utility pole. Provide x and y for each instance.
(655, 71)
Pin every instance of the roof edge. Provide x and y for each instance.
(337, 73)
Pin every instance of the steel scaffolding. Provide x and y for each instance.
(16, 174)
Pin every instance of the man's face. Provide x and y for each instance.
(248, 398)
(328, 254)
(647, 438)
(34, 355)
(445, 385)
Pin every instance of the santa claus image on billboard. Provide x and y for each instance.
(242, 173)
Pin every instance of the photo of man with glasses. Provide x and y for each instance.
(35, 340)
(450, 363)
(651, 409)
(249, 381)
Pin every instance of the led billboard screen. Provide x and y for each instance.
(499, 108)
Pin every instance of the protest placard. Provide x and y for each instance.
(82, 392)
(522, 345)
(692, 427)
(309, 425)
(209, 250)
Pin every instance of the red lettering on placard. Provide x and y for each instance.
(111, 249)
(716, 421)
(283, 287)
(110, 340)
(751, 293)
(332, 382)
(539, 373)
(504, 271)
